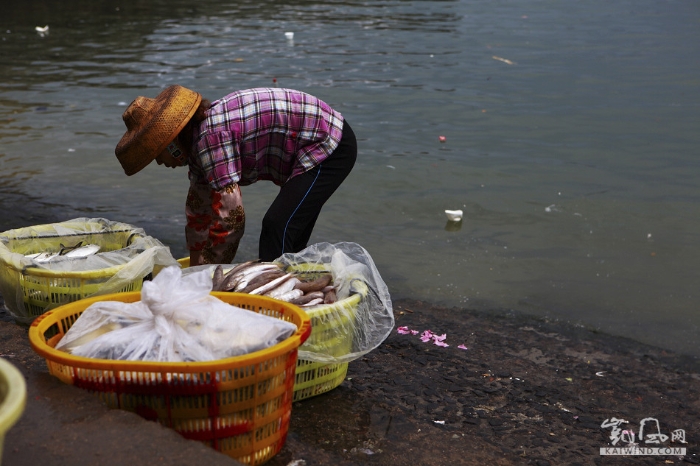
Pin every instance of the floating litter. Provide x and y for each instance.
(442, 138)
(289, 35)
(454, 215)
(504, 60)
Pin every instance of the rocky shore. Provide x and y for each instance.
(507, 389)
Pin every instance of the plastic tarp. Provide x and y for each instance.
(368, 323)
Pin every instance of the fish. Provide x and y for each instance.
(218, 278)
(291, 295)
(302, 300)
(82, 251)
(330, 297)
(262, 279)
(245, 276)
(65, 249)
(315, 285)
(72, 252)
(228, 282)
(42, 256)
(242, 266)
(271, 285)
(284, 287)
(230, 277)
(313, 302)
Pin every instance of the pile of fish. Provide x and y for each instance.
(66, 252)
(269, 279)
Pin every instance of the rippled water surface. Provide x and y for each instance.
(571, 138)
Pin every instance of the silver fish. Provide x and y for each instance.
(271, 285)
(285, 287)
(291, 295)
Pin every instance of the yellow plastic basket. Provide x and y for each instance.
(314, 378)
(240, 406)
(13, 398)
(44, 289)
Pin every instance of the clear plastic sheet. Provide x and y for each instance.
(126, 255)
(365, 320)
(177, 320)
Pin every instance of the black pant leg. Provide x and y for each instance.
(289, 222)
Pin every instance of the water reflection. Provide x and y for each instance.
(453, 226)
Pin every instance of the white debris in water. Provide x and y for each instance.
(454, 215)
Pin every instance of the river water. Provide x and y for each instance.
(571, 138)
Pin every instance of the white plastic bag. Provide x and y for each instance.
(364, 325)
(177, 320)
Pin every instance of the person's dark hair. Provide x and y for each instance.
(186, 136)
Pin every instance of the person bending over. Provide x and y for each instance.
(289, 137)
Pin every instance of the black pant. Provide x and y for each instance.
(289, 221)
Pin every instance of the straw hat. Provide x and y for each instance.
(151, 124)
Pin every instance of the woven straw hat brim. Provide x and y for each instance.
(152, 124)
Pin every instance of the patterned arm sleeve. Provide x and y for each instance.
(215, 222)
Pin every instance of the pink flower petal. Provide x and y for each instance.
(403, 330)
(414, 332)
(462, 347)
(439, 343)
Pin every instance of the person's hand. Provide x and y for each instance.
(196, 258)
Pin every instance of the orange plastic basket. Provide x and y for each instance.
(240, 406)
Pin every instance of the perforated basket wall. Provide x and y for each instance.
(314, 378)
(44, 289)
(240, 406)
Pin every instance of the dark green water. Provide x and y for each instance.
(571, 138)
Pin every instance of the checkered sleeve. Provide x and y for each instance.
(219, 157)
